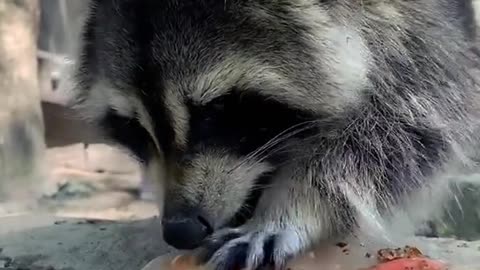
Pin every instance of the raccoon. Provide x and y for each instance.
(271, 126)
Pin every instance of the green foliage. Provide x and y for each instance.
(461, 219)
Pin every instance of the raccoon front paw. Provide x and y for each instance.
(244, 248)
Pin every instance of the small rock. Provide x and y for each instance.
(92, 221)
(72, 190)
(5, 262)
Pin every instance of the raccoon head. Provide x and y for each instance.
(211, 95)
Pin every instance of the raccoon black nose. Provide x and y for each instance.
(185, 232)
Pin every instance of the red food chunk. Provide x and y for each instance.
(415, 263)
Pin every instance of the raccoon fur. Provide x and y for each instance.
(272, 126)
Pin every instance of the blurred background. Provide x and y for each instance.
(49, 159)
(52, 161)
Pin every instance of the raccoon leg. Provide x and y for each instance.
(290, 218)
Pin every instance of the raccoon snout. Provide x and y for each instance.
(186, 231)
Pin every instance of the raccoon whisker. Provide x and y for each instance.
(284, 135)
(264, 186)
(287, 133)
(270, 153)
(258, 158)
(291, 147)
(277, 139)
(296, 157)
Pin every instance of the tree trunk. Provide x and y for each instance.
(22, 146)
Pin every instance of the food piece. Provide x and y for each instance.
(184, 262)
(407, 258)
(413, 252)
(160, 263)
(388, 254)
(411, 264)
(172, 262)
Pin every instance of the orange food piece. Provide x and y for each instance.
(407, 258)
(411, 264)
(184, 262)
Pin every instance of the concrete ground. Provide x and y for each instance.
(96, 183)
(40, 242)
(92, 218)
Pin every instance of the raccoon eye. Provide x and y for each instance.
(208, 119)
(218, 104)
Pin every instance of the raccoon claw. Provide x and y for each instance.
(234, 250)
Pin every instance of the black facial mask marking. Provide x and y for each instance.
(129, 133)
(240, 122)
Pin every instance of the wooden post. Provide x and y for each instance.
(22, 144)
